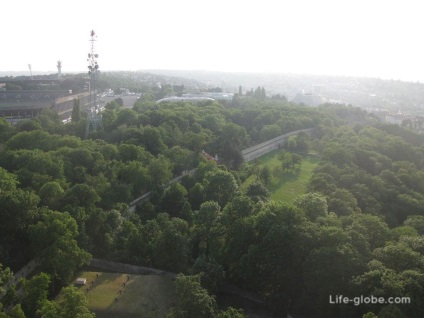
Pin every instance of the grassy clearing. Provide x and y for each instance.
(285, 186)
(144, 296)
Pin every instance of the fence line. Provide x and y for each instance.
(263, 148)
(128, 268)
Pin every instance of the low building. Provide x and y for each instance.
(18, 105)
(81, 281)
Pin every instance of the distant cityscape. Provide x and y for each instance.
(25, 96)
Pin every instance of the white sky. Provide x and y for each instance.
(335, 37)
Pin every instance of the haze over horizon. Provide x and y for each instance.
(329, 37)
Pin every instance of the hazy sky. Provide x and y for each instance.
(336, 37)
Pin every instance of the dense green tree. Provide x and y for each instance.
(16, 312)
(417, 222)
(231, 313)
(196, 195)
(173, 200)
(29, 125)
(286, 159)
(129, 152)
(19, 208)
(399, 257)
(257, 192)
(152, 140)
(170, 246)
(342, 202)
(292, 143)
(195, 141)
(5, 275)
(296, 160)
(231, 141)
(275, 257)
(238, 208)
(205, 221)
(135, 174)
(160, 170)
(36, 139)
(314, 205)
(51, 194)
(8, 181)
(125, 116)
(212, 274)
(54, 240)
(259, 93)
(72, 304)
(328, 268)
(192, 300)
(265, 175)
(183, 159)
(269, 131)
(6, 130)
(76, 111)
(371, 227)
(220, 186)
(302, 141)
(35, 293)
(81, 195)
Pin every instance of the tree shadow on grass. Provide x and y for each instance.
(286, 177)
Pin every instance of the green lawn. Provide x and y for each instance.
(285, 186)
(144, 296)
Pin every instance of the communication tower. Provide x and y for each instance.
(30, 70)
(59, 69)
(94, 118)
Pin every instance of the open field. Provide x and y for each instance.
(120, 295)
(285, 186)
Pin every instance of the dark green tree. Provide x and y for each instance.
(314, 205)
(17, 312)
(54, 240)
(232, 313)
(192, 300)
(173, 200)
(76, 111)
(36, 291)
(212, 274)
(220, 186)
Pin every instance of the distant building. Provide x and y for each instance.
(22, 97)
(16, 105)
(192, 99)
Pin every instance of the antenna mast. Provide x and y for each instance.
(93, 70)
(59, 69)
(30, 70)
(94, 118)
